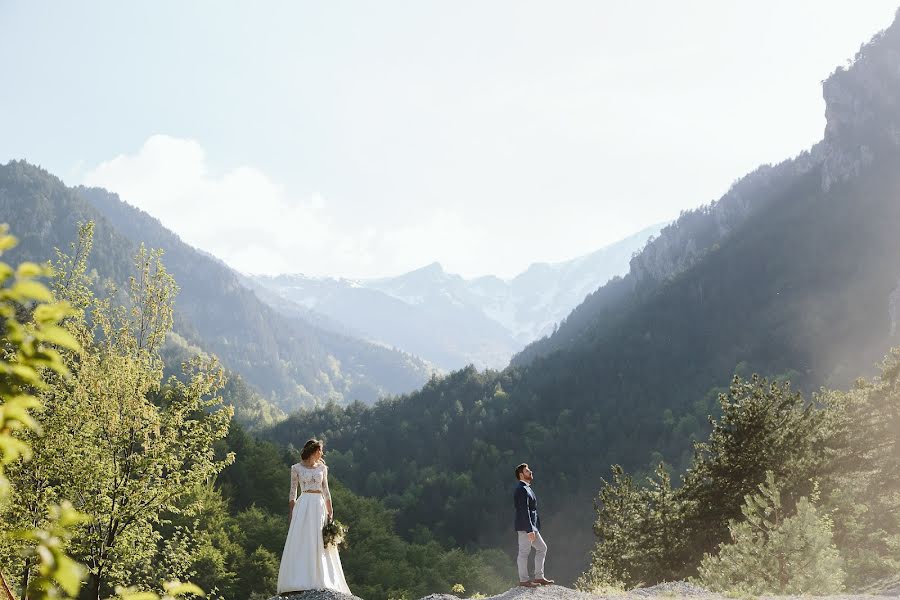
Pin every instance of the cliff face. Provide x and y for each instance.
(681, 244)
(862, 113)
(862, 110)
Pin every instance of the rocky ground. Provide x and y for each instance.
(667, 591)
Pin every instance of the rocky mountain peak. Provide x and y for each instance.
(862, 108)
(862, 111)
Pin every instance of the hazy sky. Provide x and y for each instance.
(369, 138)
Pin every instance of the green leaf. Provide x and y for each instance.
(68, 574)
(31, 290)
(59, 336)
(131, 593)
(68, 516)
(29, 270)
(7, 242)
(50, 314)
(176, 588)
(26, 374)
(11, 449)
(14, 413)
(23, 402)
(128, 594)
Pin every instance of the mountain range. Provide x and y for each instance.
(290, 361)
(352, 342)
(793, 274)
(451, 321)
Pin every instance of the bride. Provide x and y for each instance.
(306, 563)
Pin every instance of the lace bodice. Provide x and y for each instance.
(315, 479)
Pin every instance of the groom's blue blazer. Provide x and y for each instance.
(527, 518)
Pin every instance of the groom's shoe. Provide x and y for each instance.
(542, 581)
(529, 584)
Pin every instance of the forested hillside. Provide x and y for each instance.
(142, 478)
(291, 362)
(793, 274)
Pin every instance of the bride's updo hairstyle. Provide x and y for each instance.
(310, 447)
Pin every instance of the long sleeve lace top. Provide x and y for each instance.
(309, 479)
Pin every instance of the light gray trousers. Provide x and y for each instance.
(540, 547)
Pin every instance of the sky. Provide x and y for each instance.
(366, 139)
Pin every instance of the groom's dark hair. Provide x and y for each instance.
(519, 470)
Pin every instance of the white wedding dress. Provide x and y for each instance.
(306, 564)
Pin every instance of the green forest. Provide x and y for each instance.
(166, 487)
(145, 480)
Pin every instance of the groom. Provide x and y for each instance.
(528, 525)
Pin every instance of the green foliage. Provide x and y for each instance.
(798, 536)
(136, 453)
(46, 549)
(651, 533)
(120, 445)
(641, 532)
(27, 358)
(600, 581)
(28, 348)
(763, 427)
(26, 352)
(862, 487)
(378, 563)
(261, 568)
(172, 590)
(771, 552)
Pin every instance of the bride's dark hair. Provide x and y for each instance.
(310, 447)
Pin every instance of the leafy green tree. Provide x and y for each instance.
(29, 330)
(773, 553)
(122, 445)
(260, 572)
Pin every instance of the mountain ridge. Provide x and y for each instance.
(481, 320)
(291, 361)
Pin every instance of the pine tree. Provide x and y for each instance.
(772, 553)
(639, 533)
(863, 483)
(763, 427)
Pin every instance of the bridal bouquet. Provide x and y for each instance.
(333, 533)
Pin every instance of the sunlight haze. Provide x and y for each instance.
(368, 139)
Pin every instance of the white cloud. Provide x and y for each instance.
(241, 216)
(252, 223)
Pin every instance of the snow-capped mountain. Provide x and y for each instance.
(451, 321)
